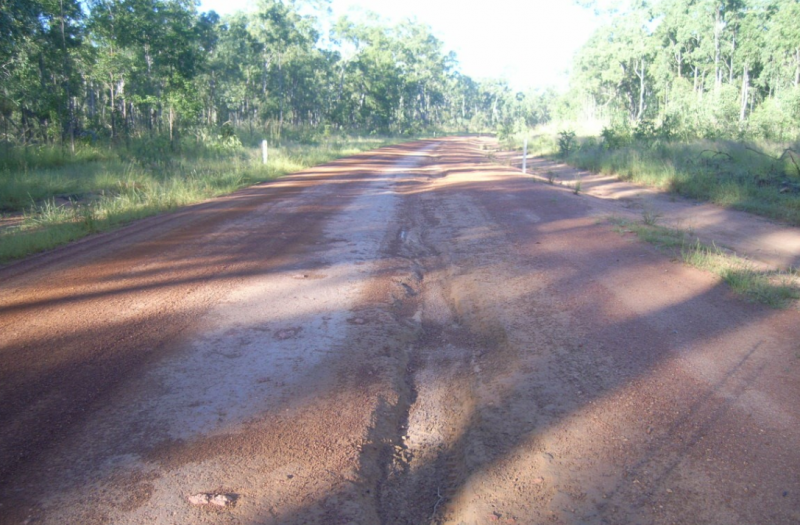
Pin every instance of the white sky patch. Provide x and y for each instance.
(530, 43)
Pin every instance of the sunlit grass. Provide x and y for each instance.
(777, 289)
(64, 200)
(734, 175)
(745, 176)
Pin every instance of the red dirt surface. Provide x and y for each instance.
(408, 336)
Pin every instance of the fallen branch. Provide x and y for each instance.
(715, 154)
(759, 152)
(788, 152)
(791, 154)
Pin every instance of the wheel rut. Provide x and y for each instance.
(425, 436)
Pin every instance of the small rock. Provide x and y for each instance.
(538, 481)
(213, 499)
(220, 500)
(199, 499)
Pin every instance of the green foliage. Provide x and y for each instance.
(695, 69)
(615, 138)
(776, 289)
(566, 143)
(32, 157)
(757, 177)
(134, 71)
(505, 132)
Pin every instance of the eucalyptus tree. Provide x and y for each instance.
(749, 56)
(709, 63)
(615, 65)
(149, 53)
(782, 59)
(371, 83)
(40, 82)
(152, 67)
(425, 71)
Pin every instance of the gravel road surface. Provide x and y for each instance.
(408, 336)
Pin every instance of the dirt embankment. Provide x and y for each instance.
(414, 336)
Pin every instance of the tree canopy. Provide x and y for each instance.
(710, 67)
(119, 68)
(114, 68)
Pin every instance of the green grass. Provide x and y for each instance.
(731, 174)
(740, 175)
(778, 289)
(59, 198)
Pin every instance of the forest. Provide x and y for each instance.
(697, 68)
(112, 69)
(697, 97)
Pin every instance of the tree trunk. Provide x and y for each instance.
(641, 74)
(67, 81)
(280, 109)
(745, 92)
(717, 30)
(171, 121)
(797, 67)
(113, 108)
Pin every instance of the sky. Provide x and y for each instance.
(530, 43)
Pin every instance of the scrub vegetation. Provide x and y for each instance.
(697, 97)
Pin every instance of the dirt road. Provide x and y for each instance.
(403, 337)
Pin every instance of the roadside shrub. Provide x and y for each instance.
(566, 143)
(777, 118)
(615, 138)
(647, 130)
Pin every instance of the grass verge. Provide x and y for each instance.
(53, 203)
(757, 177)
(778, 289)
(747, 177)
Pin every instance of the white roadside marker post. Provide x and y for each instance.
(525, 157)
(264, 151)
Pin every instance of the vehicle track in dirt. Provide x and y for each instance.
(408, 336)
